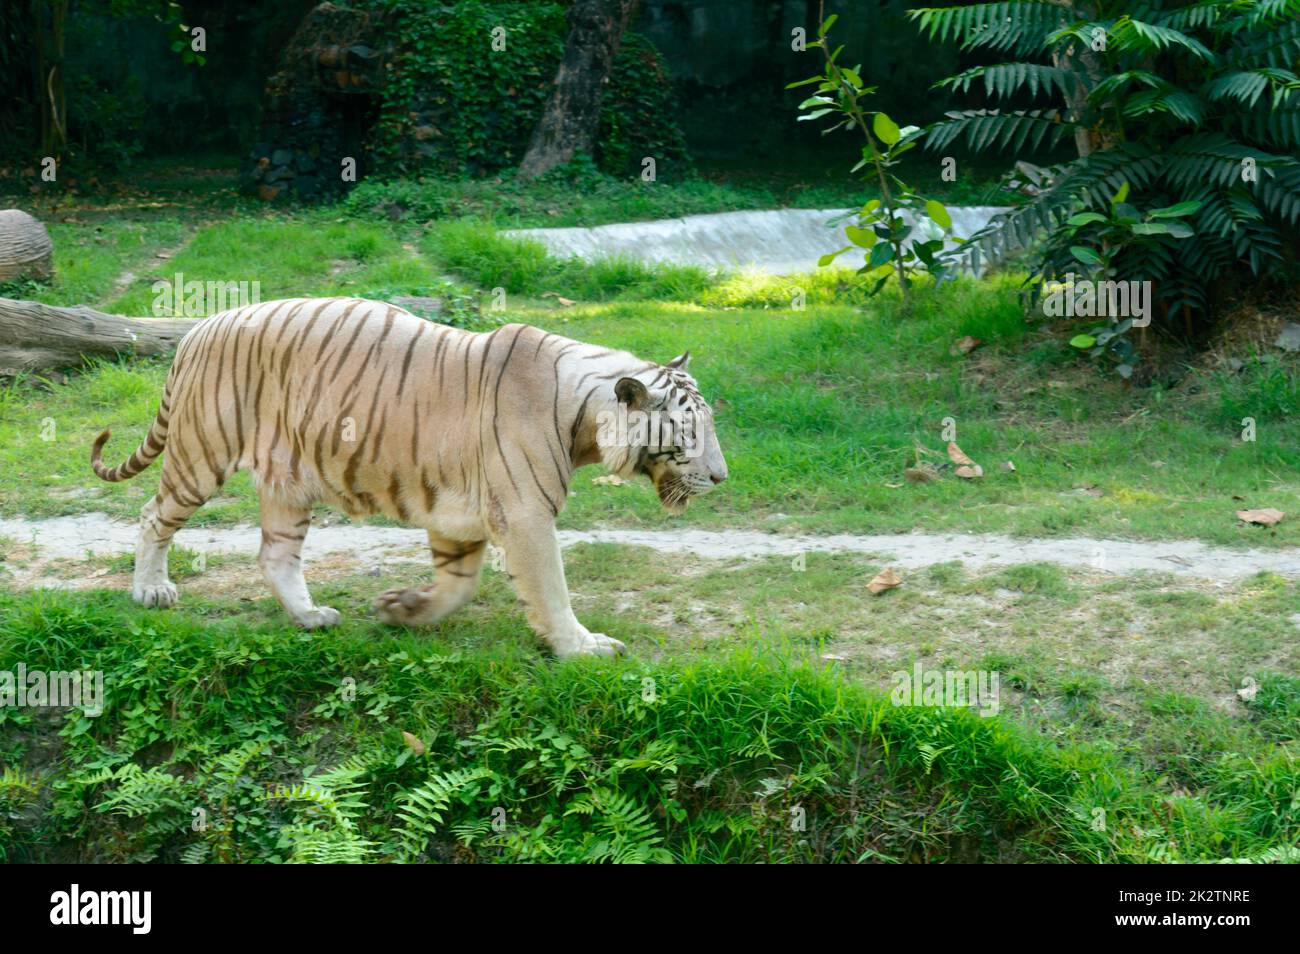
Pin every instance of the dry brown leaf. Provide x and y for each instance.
(413, 743)
(832, 657)
(566, 302)
(1008, 467)
(613, 479)
(969, 473)
(965, 345)
(886, 579)
(1267, 517)
(956, 455)
(922, 473)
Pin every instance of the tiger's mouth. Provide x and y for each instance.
(674, 494)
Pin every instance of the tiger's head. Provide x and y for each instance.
(664, 430)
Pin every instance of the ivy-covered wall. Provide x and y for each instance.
(468, 80)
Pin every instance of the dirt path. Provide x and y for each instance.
(96, 533)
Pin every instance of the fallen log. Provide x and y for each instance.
(35, 337)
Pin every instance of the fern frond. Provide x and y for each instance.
(1178, 103)
(1279, 191)
(1129, 35)
(1277, 127)
(1019, 25)
(1212, 159)
(422, 807)
(985, 128)
(1247, 86)
(1279, 47)
(1007, 79)
(1196, 16)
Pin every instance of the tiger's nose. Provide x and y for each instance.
(717, 478)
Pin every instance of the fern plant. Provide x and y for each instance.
(1178, 101)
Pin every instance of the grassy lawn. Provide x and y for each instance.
(820, 410)
(749, 698)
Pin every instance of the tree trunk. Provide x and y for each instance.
(36, 337)
(49, 75)
(572, 114)
(25, 248)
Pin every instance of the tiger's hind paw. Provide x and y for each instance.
(403, 607)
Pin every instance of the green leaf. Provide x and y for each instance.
(863, 238)
(1085, 255)
(1176, 211)
(938, 213)
(885, 129)
(1121, 195)
(831, 256)
(1084, 218)
(1083, 342)
(827, 24)
(880, 255)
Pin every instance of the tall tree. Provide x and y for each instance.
(51, 18)
(572, 114)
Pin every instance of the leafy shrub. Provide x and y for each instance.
(1190, 105)
(454, 104)
(880, 230)
(225, 742)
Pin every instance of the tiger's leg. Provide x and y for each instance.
(182, 490)
(458, 566)
(284, 527)
(536, 568)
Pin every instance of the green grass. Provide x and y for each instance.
(819, 412)
(578, 196)
(292, 745)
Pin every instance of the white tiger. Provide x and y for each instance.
(472, 436)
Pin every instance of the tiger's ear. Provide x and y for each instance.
(680, 362)
(632, 392)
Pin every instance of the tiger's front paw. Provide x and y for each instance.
(160, 595)
(318, 617)
(403, 607)
(591, 644)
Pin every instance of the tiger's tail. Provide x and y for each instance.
(144, 455)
